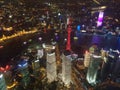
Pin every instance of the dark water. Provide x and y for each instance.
(103, 41)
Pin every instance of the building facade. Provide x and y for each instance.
(51, 67)
(66, 69)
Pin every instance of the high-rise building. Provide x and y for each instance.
(2, 83)
(86, 59)
(36, 67)
(66, 69)
(51, 67)
(95, 61)
(23, 69)
(7, 75)
(40, 53)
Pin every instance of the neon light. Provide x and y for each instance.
(78, 27)
(68, 46)
(36, 60)
(13, 85)
(20, 65)
(50, 54)
(23, 64)
(100, 19)
(4, 69)
(7, 67)
(1, 75)
(95, 56)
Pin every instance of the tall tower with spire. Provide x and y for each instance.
(68, 45)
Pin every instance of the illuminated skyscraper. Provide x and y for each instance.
(2, 83)
(86, 59)
(36, 67)
(7, 75)
(23, 69)
(95, 61)
(68, 45)
(40, 53)
(51, 67)
(66, 69)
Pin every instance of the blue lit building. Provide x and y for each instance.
(24, 72)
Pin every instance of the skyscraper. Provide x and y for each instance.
(66, 69)
(95, 61)
(51, 67)
(86, 59)
(40, 53)
(23, 69)
(2, 82)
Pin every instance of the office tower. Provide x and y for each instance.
(95, 61)
(51, 67)
(66, 69)
(2, 83)
(40, 53)
(86, 59)
(23, 69)
(7, 75)
(36, 67)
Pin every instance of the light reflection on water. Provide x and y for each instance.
(103, 41)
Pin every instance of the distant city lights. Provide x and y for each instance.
(17, 34)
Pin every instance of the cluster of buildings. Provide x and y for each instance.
(101, 65)
(51, 67)
(20, 74)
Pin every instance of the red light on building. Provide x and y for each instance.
(69, 20)
(2, 69)
(7, 67)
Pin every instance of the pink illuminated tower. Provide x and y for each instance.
(68, 45)
(100, 19)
